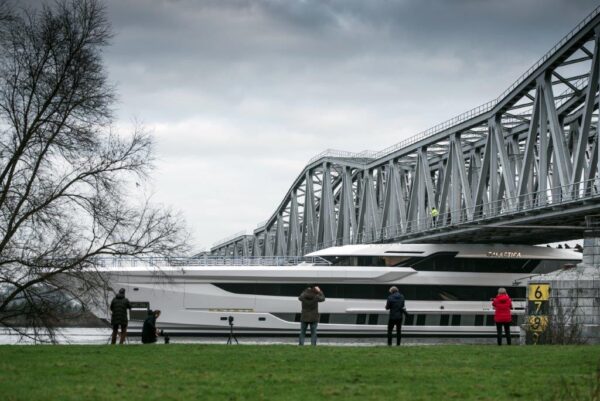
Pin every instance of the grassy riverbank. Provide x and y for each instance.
(279, 372)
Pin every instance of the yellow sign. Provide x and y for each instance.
(539, 292)
(538, 323)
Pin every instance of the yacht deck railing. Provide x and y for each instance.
(114, 262)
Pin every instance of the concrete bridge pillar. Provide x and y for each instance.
(573, 305)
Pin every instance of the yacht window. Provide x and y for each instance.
(395, 260)
(376, 291)
(366, 260)
(341, 260)
(418, 320)
(447, 261)
(432, 320)
(370, 261)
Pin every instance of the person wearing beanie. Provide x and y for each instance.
(118, 308)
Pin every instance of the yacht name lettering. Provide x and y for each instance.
(503, 254)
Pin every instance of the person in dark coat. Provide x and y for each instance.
(310, 299)
(502, 305)
(118, 308)
(395, 304)
(149, 331)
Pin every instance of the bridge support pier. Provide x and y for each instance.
(570, 312)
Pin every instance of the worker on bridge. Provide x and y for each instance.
(434, 216)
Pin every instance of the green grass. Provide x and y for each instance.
(285, 372)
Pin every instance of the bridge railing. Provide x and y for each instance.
(550, 52)
(229, 238)
(365, 154)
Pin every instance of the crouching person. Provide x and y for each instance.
(149, 331)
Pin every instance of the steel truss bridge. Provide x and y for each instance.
(522, 168)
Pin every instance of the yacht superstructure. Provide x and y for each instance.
(448, 288)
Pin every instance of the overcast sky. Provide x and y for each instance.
(241, 94)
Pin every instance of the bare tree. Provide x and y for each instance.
(64, 174)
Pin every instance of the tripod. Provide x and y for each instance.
(109, 341)
(231, 335)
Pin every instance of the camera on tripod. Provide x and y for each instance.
(231, 335)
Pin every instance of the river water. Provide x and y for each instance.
(99, 336)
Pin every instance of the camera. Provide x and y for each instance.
(231, 335)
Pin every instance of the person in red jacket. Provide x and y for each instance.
(502, 305)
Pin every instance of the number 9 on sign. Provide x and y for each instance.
(538, 323)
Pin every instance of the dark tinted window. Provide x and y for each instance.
(382, 318)
(449, 262)
(377, 291)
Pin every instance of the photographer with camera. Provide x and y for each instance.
(310, 299)
(149, 330)
(118, 308)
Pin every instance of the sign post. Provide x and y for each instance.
(538, 306)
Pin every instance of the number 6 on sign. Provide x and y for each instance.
(539, 292)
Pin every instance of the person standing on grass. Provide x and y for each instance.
(118, 308)
(395, 304)
(310, 299)
(502, 305)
